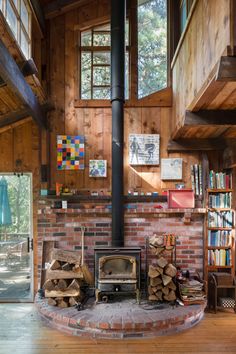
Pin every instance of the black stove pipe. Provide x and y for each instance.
(118, 10)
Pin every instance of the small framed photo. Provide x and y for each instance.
(97, 168)
(171, 169)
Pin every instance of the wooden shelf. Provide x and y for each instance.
(219, 247)
(218, 266)
(219, 209)
(220, 190)
(103, 198)
(220, 228)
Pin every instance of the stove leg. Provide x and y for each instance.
(97, 293)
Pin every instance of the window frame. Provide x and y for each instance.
(161, 98)
(16, 8)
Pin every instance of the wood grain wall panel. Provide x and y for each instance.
(205, 41)
(57, 91)
(6, 151)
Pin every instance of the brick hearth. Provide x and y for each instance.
(121, 319)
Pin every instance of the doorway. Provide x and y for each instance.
(16, 242)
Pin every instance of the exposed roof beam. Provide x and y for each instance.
(226, 69)
(57, 7)
(16, 116)
(11, 74)
(195, 145)
(39, 15)
(210, 117)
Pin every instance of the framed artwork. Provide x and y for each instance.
(97, 168)
(70, 152)
(144, 149)
(171, 169)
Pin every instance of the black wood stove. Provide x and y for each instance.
(117, 271)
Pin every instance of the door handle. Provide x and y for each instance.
(30, 244)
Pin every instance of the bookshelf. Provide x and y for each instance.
(219, 225)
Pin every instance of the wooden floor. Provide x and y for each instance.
(22, 332)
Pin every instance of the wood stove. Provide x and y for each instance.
(117, 271)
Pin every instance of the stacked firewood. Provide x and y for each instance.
(161, 285)
(65, 278)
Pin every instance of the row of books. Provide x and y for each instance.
(219, 238)
(220, 200)
(196, 179)
(220, 180)
(220, 219)
(219, 257)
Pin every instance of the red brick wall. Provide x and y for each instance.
(63, 227)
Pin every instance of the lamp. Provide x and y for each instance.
(5, 210)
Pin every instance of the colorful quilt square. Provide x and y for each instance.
(70, 152)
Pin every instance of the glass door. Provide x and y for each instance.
(16, 243)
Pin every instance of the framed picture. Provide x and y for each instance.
(70, 152)
(144, 149)
(97, 168)
(171, 169)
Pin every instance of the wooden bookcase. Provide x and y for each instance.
(219, 232)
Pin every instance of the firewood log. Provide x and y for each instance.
(62, 274)
(158, 250)
(172, 285)
(162, 262)
(159, 295)
(55, 264)
(61, 302)
(74, 285)
(151, 290)
(49, 285)
(170, 270)
(52, 302)
(71, 257)
(66, 266)
(165, 290)
(153, 272)
(166, 279)
(62, 284)
(171, 296)
(152, 298)
(155, 281)
(65, 293)
(156, 288)
(73, 300)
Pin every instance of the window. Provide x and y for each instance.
(152, 46)
(18, 16)
(95, 63)
(185, 7)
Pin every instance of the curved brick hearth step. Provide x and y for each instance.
(120, 319)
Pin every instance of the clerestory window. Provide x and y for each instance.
(18, 16)
(95, 63)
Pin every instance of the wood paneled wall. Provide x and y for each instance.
(206, 39)
(94, 122)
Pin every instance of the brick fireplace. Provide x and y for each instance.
(141, 220)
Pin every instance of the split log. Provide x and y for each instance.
(74, 285)
(71, 257)
(155, 281)
(172, 285)
(62, 284)
(171, 296)
(61, 302)
(170, 270)
(62, 274)
(158, 250)
(153, 272)
(49, 285)
(65, 293)
(152, 298)
(166, 279)
(159, 295)
(162, 262)
(165, 290)
(73, 301)
(55, 264)
(151, 290)
(52, 302)
(66, 267)
(156, 288)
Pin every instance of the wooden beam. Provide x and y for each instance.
(226, 69)
(210, 117)
(39, 15)
(57, 7)
(11, 74)
(15, 116)
(195, 145)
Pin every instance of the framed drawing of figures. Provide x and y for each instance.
(171, 169)
(144, 149)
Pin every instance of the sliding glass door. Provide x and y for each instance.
(16, 256)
